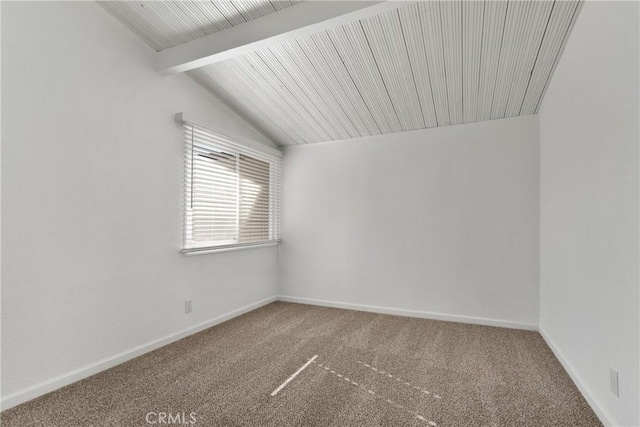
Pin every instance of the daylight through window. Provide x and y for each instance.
(232, 191)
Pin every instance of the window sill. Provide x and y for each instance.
(228, 248)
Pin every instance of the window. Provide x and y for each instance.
(232, 191)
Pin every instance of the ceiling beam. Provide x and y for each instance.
(279, 27)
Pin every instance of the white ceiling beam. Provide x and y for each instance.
(279, 27)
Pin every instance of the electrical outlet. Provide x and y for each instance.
(613, 382)
(188, 306)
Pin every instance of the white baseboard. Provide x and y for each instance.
(602, 414)
(412, 313)
(104, 364)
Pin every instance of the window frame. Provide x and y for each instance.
(234, 146)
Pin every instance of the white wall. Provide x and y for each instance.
(442, 220)
(589, 207)
(91, 187)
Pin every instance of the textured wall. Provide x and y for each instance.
(91, 186)
(589, 206)
(442, 220)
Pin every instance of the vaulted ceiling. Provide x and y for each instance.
(413, 65)
(165, 24)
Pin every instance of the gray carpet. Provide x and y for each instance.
(370, 370)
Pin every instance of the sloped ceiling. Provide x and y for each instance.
(422, 65)
(164, 24)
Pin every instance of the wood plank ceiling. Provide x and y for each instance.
(165, 24)
(425, 64)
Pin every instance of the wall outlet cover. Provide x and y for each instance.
(613, 382)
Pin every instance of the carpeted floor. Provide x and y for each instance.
(370, 369)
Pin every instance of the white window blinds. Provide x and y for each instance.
(232, 190)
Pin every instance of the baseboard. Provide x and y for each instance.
(412, 313)
(104, 364)
(602, 414)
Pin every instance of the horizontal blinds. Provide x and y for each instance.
(254, 199)
(232, 191)
(213, 195)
